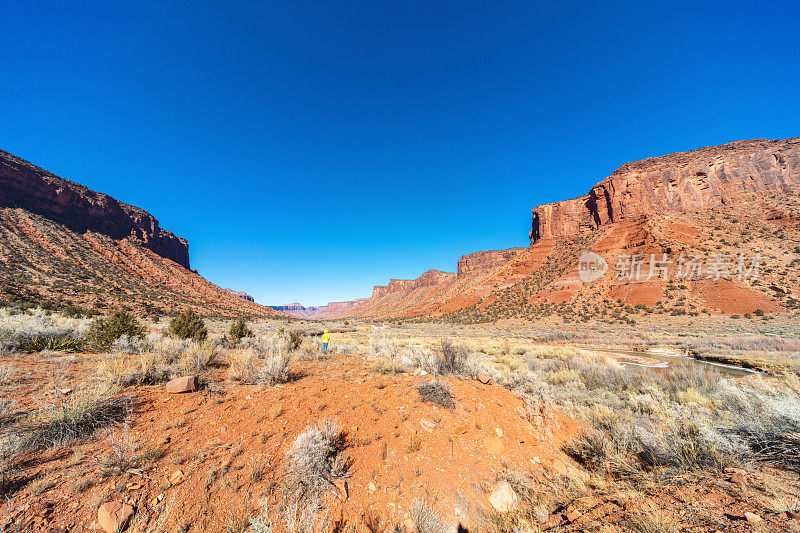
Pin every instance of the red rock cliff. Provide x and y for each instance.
(683, 181)
(80, 209)
(429, 278)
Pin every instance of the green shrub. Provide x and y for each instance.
(239, 329)
(188, 325)
(758, 312)
(104, 331)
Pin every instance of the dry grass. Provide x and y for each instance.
(436, 392)
(317, 458)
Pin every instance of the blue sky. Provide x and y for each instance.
(310, 150)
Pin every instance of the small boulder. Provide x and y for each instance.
(503, 498)
(182, 384)
(752, 518)
(177, 478)
(484, 378)
(114, 516)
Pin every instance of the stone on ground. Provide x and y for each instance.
(114, 516)
(182, 384)
(503, 498)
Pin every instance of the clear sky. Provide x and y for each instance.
(310, 150)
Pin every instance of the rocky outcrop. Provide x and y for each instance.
(427, 279)
(80, 209)
(482, 261)
(683, 181)
(240, 294)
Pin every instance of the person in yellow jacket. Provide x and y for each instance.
(326, 338)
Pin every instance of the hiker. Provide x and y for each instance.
(326, 338)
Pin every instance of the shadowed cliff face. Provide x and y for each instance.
(684, 181)
(80, 209)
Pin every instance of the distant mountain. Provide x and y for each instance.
(64, 243)
(332, 310)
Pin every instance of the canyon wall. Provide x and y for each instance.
(80, 209)
(683, 181)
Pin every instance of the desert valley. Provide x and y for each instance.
(635, 368)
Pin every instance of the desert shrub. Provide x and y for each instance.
(10, 447)
(39, 330)
(426, 519)
(167, 349)
(129, 345)
(316, 458)
(268, 345)
(134, 369)
(242, 367)
(198, 356)
(188, 325)
(71, 419)
(383, 344)
(7, 406)
(104, 331)
(295, 340)
(436, 392)
(453, 358)
(261, 522)
(274, 370)
(73, 311)
(6, 374)
(239, 330)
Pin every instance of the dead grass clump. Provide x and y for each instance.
(247, 367)
(198, 356)
(6, 374)
(426, 519)
(453, 358)
(242, 367)
(316, 458)
(436, 392)
(274, 370)
(73, 418)
(140, 369)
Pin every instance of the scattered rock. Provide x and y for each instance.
(380, 384)
(427, 425)
(794, 515)
(64, 391)
(499, 432)
(177, 478)
(752, 518)
(503, 498)
(484, 378)
(343, 491)
(114, 516)
(462, 428)
(372, 487)
(573, 515)
(182, 384)
(275, 411)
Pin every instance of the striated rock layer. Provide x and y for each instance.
(80, 209)
(683, 181)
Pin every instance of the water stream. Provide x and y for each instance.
(662, 359)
